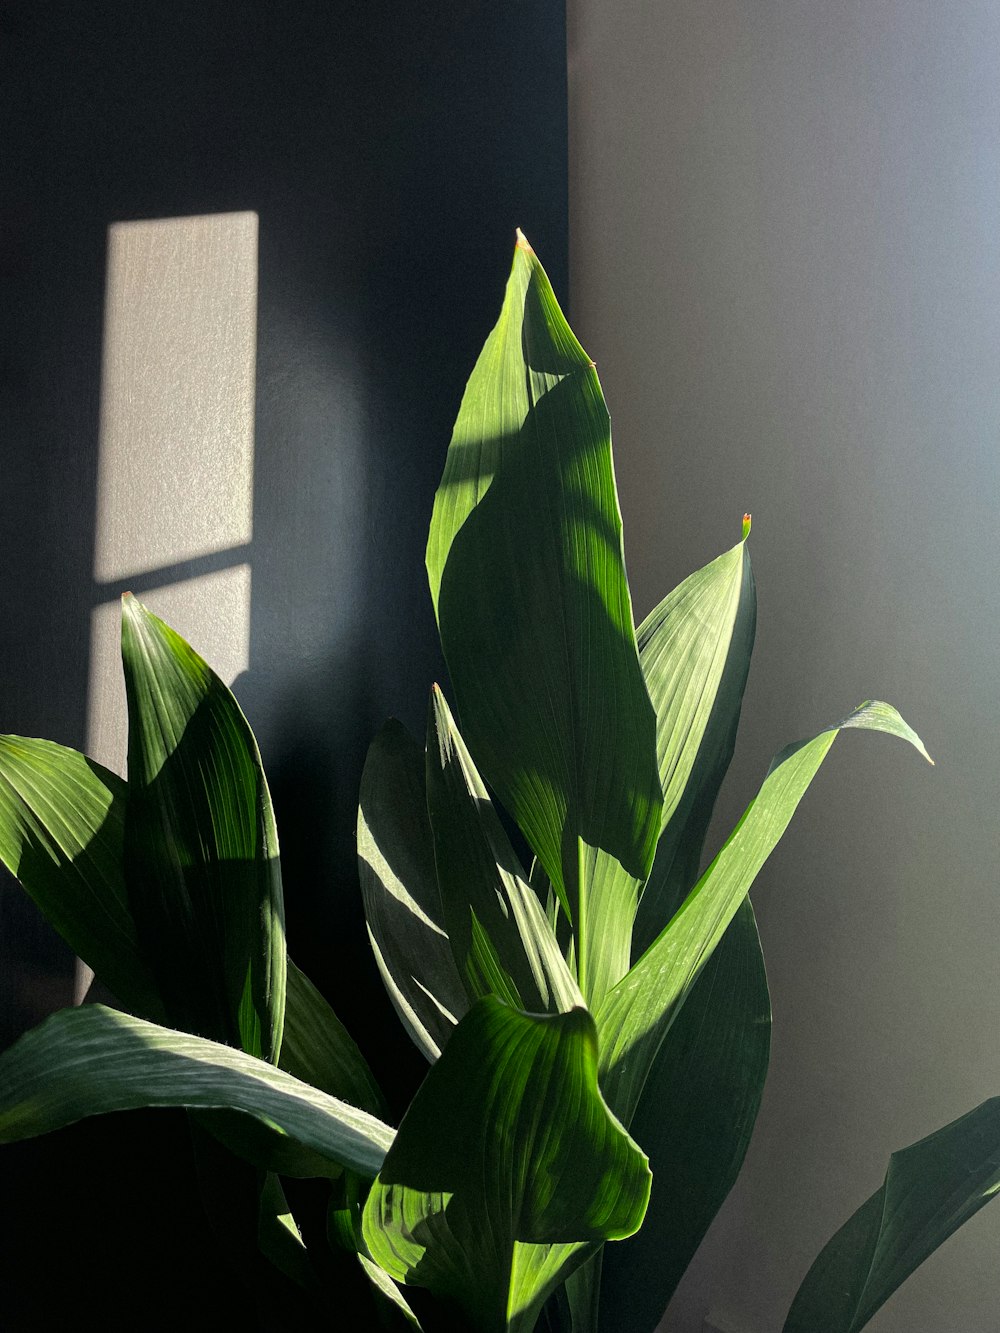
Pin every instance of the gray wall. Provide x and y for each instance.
(784, 259)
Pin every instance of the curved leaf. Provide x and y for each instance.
(930, 1189)
(62, 828)
(201, 847)
(531, 1156)
(499, 934)
(528, 581)
(400, 891)
(92, 1060)
(637, 1014)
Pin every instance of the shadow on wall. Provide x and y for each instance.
(388, 160)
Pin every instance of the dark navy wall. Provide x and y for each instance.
(390, 150)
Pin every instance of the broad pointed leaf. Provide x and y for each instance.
(499, 934)
(200, 844)
(695, 652)
(531, 1157)
(930, 1189)
(93, 1060)
(637, 1014)
(694, 1118)
(400, 891)
(62, 826)
(528, 582)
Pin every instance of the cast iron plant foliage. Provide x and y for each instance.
(611, 994)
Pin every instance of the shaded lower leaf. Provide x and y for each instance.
(930, 1189)
(62, 831)
(694, 1119)
(400, 891)
(89, 1061)
(508, 1142)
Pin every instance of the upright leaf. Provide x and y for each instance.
(528, 582)
(694, 1118)
(499, 934)
(62, 828)
(930, 1189)
(200, 843)
(695, 652)
(93, 1060)
(637, 1014)
(531, 1158)
(400, 891)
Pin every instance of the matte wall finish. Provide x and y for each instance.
(312, 211)
(784, 255)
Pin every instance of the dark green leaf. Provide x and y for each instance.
(500, 937)
(62, 822)
(695, 1118)
(528, 582)
(508, 1149)
(200, 844)
(93, 1060)
(929, 1191)
(400, 891)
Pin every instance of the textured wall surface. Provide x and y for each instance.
(387, 160)
(784, 223)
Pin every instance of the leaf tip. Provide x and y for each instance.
(522, 242)
(747, 524)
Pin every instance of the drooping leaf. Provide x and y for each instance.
(636, 1016)
(62, 822)
(201, 849)
(531, 1159)
(392, 1309)
(93, 1060)
(318, 1049)
(930, 1189)
(500, 937)
(695, 652)
(694, 1119)
(528, 582)
(400, 891)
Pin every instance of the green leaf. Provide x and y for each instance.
(528, 582)
(695, 652)
(93, 1060)
(390, 1303)
(930, 1189)
(636, 1016)
(200, 844)
(400, 891)
(499, 934)
(694, 1118)
(531, 1158)
(62, 822)
(318, 1049)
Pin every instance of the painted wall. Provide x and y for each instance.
(388, 159)
(784, 259)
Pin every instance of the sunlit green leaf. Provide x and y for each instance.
(508, 1142)
(500, 937)
(930, 1189)
(695, 652)
(200, 844)
(637, 1014)
(400, 890)
(528, 582)
(93, 1060)
(62, 828)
